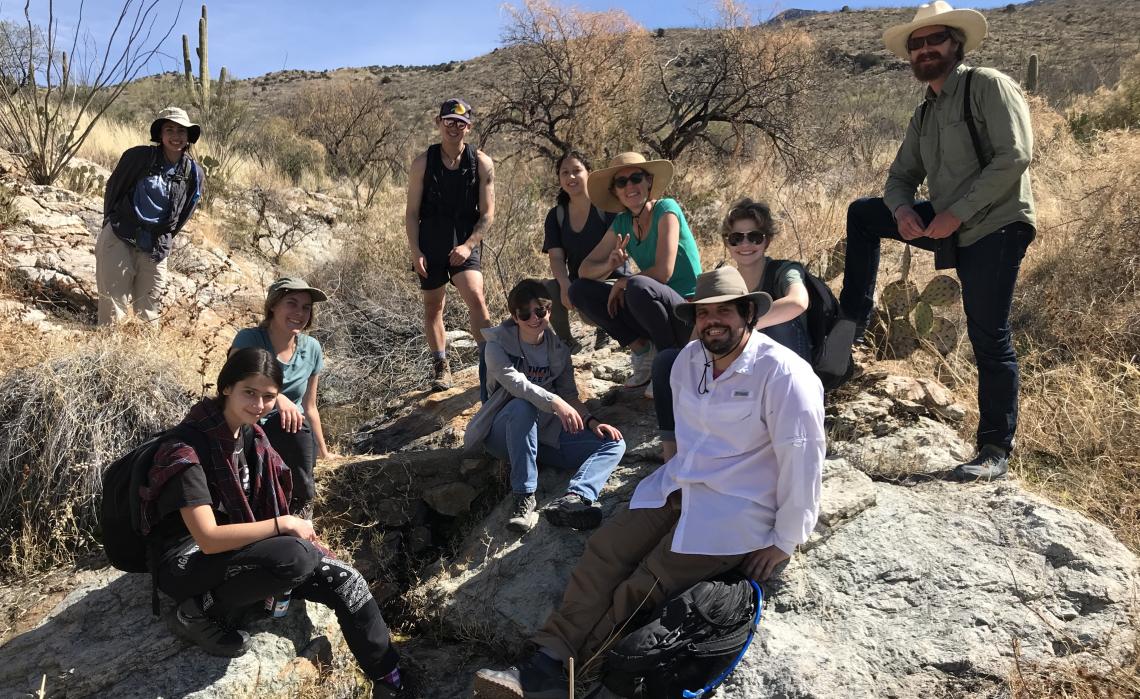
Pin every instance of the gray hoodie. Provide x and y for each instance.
(507, 379)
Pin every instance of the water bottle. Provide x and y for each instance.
(281, 605)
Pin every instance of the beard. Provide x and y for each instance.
(723, 344)
(927, 71)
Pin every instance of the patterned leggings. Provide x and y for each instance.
(231, 581)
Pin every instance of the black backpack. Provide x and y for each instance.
(120, 512)
(693, 643)
(831, 339)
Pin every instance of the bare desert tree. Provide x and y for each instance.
(53, 97)
(574, 79)
(742, 79)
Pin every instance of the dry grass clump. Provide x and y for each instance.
(61, 422)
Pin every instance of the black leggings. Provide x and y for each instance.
(235, 580)
(299, 452)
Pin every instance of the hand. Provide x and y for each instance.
(291, 416)
(909, 223)
(607, 431)
(943, 226)
(459, 254)
(297, 526)
(324, 454)
(566, 298)
(571, 420)
(619, 255)
(419, 263)
(617, 298)
(759, 564)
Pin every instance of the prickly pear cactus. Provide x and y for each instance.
(910, 319)
(899, 297)
(943, 290)
(829, 265)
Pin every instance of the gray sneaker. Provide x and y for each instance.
(991, 464)
(190, 623)
(642, 365)
(523, 514)
(574, 511)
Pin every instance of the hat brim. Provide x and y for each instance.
(598, 186)
(687, 311)
(193, 131)
(315, 295)
(971, 22)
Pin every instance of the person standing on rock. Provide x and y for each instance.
(451, 205)
(742, 491)
(293, 425)
(228, 540)
(150, 195)
(573, 228)
(971, 141)
(533, 413)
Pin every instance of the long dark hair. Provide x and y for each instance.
(246, 362)
(563, 197)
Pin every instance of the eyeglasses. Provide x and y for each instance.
(455, 123)
(755, 237)
(524, 314)
(636, 178)
(936, 39)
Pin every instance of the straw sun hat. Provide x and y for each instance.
(598, 186)
(970, 22)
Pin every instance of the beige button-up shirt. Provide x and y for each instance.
(937, 148)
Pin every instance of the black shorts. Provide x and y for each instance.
(439, 272)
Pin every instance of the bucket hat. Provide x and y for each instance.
(178, 116)
(722, 285)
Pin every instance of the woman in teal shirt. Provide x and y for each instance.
(294, 425)
(637, 311)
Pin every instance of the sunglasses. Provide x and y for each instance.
(755, 237)
(524, 314)
(636, 178)
(936, 39)
(455, 123)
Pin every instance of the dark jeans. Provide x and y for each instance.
(987, 270)
(791, 334)
(239, 579)
(299, 452)
(647, 312)
(559, 315)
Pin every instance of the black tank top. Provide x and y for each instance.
(450, 204)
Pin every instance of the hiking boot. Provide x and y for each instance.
(648, 390)
(642, 365)
(991, 464)
(601, 339)
(574, 511)
(540, 677)
(190, 623)
(575, 346)
(440, 375)
(523, 514)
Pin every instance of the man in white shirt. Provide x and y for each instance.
(742, 491)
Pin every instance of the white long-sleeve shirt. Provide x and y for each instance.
(749, 452)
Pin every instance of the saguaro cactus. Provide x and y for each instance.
(1032, 73)
(200, 90)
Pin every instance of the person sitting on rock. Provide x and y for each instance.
(742, 491)
(293, 425)
(150, 195)
(747, 231)
(533, 414)
(228, 539)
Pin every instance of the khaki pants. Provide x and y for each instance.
(627, 564)
(126, 276)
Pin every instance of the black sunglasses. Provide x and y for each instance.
(936, 39)
(636, 178)
(540, 312)
(755, 237)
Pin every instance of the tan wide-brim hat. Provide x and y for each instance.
(971, 22)
(178, 116)
(721, 286)
(598, 186)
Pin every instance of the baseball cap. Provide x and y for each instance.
(456, 108)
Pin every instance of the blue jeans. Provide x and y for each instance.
(988, 271)
(514, 438)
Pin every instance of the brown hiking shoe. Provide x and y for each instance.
(440, 375)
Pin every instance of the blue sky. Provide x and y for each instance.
(252, 37)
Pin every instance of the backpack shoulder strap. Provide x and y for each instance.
(968, 115)
(771, 274)
(471, 155)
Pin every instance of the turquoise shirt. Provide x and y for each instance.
(308, 360)
(644, 252)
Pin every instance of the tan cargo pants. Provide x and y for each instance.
(627, 565)
(126, 277)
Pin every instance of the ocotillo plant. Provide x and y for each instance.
(1031, 74)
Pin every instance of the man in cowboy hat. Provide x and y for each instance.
(451, 204)
(150, 195)
(971, 141)
(742, 491)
